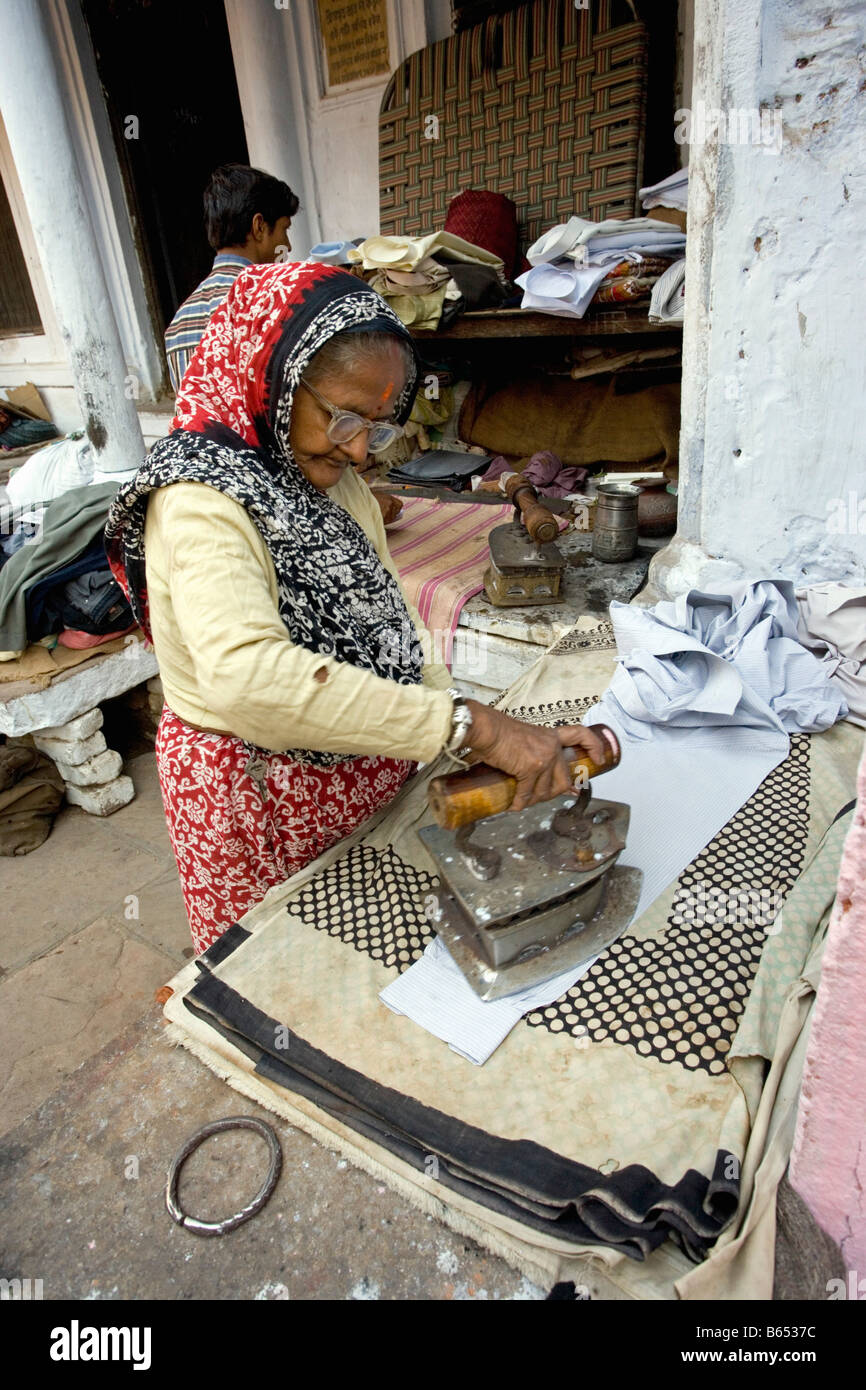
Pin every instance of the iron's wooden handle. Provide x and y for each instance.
(540, 523)
(459, 798)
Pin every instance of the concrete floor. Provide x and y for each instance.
(94, 1104)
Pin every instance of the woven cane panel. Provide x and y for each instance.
(544, 104)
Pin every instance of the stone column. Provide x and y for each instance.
(32, 99)
(772, 479)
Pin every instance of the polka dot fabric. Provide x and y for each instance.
(374, 901)
(681, 999)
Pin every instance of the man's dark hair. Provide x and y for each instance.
(235, 193)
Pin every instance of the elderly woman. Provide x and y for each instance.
(297, 692)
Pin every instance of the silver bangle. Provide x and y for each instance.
(461, 723)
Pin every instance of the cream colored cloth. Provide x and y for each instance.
(406, 253)
(427, 276)
(37, 666)
(226, 660)
(417, 295)
(417, 310)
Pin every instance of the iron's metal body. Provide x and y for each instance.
(520, 571)
(527, 895)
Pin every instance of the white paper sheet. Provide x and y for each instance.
(434, 994)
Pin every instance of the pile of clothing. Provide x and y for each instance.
(20, 431)
(671, 193)
(578, 263)
(427, 280)
(544, 470)
(55, 582)
(669, 200)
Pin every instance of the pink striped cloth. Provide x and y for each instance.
(441, 552)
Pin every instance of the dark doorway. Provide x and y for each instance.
(169, 83)
(19, 313)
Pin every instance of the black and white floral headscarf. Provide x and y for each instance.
(231, 431)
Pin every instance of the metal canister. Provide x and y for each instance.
(614, 536)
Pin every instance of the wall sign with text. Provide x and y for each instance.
(355, 38)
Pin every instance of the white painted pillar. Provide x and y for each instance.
(772, 478)
(267, 70)
(32, 101)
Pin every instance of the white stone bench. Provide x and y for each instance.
(66, 723)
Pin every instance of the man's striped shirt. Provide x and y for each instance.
(189, 323)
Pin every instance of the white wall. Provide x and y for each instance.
(42, 358)
(344, 153)
(324, 144)
(772, 468)
(685, 61)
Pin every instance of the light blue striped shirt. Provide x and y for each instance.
(184, 333)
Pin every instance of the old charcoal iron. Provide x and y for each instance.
(526, 895)
(525, 564)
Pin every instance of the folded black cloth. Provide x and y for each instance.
(91, 601)
(40, 601)
(447, 467)
(479, 285)
(95, 603)
(480, 288)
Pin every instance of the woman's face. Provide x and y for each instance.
(371, 389)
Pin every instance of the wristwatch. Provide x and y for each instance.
(461, 723)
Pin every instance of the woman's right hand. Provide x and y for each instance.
(528, 752)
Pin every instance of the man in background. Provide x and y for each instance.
(247, 218)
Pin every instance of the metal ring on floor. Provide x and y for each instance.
(221, 1228)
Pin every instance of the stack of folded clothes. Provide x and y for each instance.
(581, 262)
(427, 280)
(671, 193)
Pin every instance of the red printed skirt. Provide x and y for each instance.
(241, 821)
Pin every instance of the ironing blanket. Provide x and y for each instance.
(441, 551)
(631, 1135)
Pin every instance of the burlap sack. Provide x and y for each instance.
(31, 791)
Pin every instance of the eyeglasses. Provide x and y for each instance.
(346, 425)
